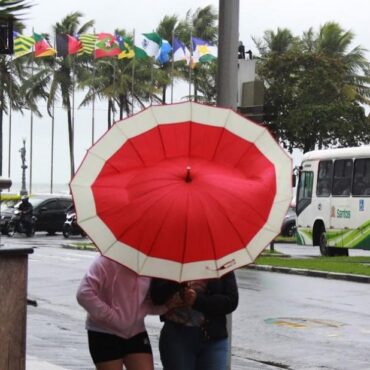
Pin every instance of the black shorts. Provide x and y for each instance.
(107, 347)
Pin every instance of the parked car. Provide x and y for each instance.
(49, 211)
(289, 224)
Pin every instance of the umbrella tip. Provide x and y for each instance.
(188, 175)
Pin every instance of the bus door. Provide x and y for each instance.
(323, 199)
(341, 213)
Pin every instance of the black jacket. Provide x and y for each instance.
(219, 299)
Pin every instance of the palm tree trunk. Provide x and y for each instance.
(109, 113)
(164, 90)
(71, 141)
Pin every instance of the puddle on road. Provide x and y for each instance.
(302, 323)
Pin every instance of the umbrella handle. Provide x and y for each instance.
(188, 175)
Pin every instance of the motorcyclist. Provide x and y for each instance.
(26, 209)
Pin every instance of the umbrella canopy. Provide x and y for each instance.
(183, 191)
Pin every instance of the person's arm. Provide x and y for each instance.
(88, 293)
(221, 303)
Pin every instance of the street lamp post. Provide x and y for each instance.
(24, 167)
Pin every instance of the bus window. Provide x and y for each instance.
(361, 177)
(304, 193)
(324, 178)
(342, 177)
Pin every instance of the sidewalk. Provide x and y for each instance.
(33, 363)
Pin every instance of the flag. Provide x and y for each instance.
(147, 45)
(67, 45)
(126, 46)
(203, 51)
(180, 51)
(106, 46)
(163, 56)
(88, 43)
(22, 44)
(42, 47)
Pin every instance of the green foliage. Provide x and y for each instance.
(316, 88)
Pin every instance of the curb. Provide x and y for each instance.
(285, 270)
(313, 273)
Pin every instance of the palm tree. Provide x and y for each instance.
(333, 41)
(62, 74)
(11, 10)
(11, 96)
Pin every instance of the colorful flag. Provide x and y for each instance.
(147, 45)
(67, 45)
(42, 47)
(126, 46)
(22, 44)
(88, 43)
(164, 52)
(106, 46)
(203, 51)
(180, 51)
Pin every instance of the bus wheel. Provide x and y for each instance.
(323, 244)
(339, 252)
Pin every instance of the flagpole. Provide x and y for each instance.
(93, 103)
(52, 138)
(52, 150)
(93, 108)
(191, 61)
(133, 78)
(31, 124)
(151, 81)
(173, 63)
(10, 119)
(114, 86)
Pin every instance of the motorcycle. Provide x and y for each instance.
(18, 225)
(70, 226)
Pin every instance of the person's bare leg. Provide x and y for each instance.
(110, 365)
(139, 361)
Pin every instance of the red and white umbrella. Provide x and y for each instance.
(183, 191)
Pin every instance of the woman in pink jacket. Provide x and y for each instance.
(116, 300)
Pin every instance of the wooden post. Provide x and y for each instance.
(13, 307)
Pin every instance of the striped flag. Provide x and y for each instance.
(88, 43)
(22, 44)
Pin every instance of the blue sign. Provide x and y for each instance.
(361, 205)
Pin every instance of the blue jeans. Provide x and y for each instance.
(183, 348)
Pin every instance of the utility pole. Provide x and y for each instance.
(228, 37)
(227, 75)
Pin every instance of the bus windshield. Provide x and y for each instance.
(304, 193)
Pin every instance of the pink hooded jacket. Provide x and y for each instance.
(115, 298)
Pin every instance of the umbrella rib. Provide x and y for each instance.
(162, 141)
(249, 148)
(154, 240)
(227, 217)
(185, 237)
(220, 136)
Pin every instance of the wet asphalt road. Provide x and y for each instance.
(282, 322)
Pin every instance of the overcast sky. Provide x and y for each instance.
(143, 16)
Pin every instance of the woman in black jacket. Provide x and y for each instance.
(194, 335)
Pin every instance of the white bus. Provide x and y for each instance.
(333, 200)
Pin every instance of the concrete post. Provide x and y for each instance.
(13, 308)
(227, 74)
